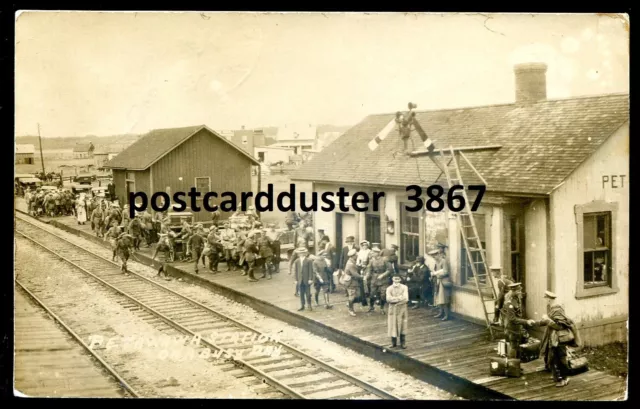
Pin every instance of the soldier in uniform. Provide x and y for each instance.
(124, 246)
(214, 248)
(97, 218)
(195, 245)
(353, 285)
(514, 323)
(503, 283)
(135, 229)
(265, 250)
(112, 235)
(248, 256)
(391, 254)
(228, 238)
(378, 276)
(322, 278)
(442, 293)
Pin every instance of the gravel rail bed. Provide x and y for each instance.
(122, 338)
(306, 378)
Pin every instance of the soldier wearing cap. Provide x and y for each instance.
(391, 254)
(442, 282)
(513, 321)
(349, 244)
(503, 288)
(303, 276)
(378, 277)
(554, 351)
(213, 248)
(195, 244)
(419, 277)
(397, 321)
(353, 279)
(322, 277)
(248, 256)
(265, 251)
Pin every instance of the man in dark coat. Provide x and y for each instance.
(419, 280)
(552, 349)
(303, 273)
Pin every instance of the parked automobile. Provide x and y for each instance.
(81, 183)
(99, 191)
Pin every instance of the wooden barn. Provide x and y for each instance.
(177, 159)
(25, 154)
(83, 150)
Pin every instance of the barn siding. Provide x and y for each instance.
(203, 155)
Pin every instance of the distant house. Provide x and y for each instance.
(177, 159)
(103, 154)
(298, 137)
(83, 150)
(272, 154)
(25, 154)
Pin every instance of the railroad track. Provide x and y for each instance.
(50, 362)
(292, 372)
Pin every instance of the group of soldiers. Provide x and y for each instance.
(52, 203)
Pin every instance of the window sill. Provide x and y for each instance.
(595, 292)
(466, 288)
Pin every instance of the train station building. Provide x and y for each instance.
(555, 215)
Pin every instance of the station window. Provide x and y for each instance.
(409, 235)
(465, 263)
(596, 245)
(597, 249)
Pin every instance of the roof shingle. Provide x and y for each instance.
(155, 144)
(541, 144)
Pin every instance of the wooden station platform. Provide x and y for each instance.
(453, 355)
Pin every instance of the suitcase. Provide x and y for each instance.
(576, 364)
(501, 366)
(530, 351)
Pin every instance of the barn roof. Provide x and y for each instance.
(25, 148)
(541, 145)
(151, 147)
(82, 147)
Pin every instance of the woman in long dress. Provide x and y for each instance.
(81, 209)
(397, 316)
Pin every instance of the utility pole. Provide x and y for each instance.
(41, 157)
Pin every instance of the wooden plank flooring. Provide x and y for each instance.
(456, 346)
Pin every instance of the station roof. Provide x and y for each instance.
(541, 144)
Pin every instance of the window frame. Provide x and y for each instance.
(463, 280)
(200, 200)
(593, 208)
(402, 212)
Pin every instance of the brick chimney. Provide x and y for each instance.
(531, 82)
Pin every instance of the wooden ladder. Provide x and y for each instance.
(472, 244)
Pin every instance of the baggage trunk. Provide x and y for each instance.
(530, 351)
(501, 366)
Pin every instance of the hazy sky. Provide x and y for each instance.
(113, 73)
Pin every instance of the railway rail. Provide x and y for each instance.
(293, 372)
(49, 362)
